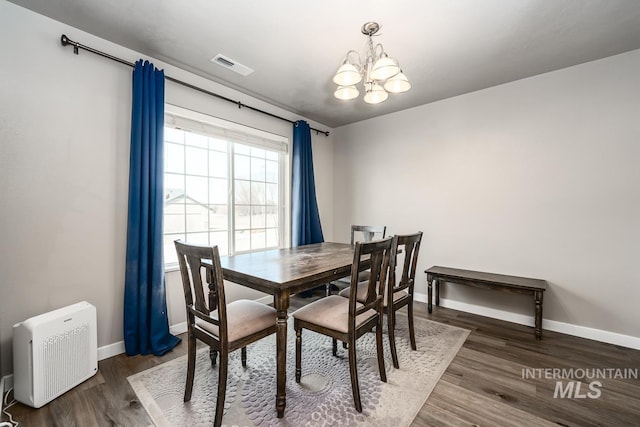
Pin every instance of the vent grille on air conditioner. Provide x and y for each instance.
(63, 361)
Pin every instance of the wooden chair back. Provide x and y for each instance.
(368, 232)
(192, 260)
(409, 245)
(375, 255)
(400, 292)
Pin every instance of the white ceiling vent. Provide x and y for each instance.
(232, 65)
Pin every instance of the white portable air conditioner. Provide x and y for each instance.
(54, 352)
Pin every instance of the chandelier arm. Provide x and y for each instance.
(346, 58)
(382, 52)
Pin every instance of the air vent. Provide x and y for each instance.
(232, 65)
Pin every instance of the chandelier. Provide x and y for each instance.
(381, 74)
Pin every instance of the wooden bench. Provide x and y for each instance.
(514, 284)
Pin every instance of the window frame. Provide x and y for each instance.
(233, 133)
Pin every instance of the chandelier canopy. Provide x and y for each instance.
(381, 74)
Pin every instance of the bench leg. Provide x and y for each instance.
(429, 293)
(538, 312)
(437, 292)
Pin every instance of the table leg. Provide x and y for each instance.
(429, 293)
(281, 302)
(437, 291)
(538, 312)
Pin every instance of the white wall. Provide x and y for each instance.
(64, 137)
(538, 178)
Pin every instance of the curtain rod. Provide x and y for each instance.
(76, 46)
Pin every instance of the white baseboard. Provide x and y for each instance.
(592, 334)
(178, 329)
(117, 348)
(417, 296)
(551, 325)
(110, 350)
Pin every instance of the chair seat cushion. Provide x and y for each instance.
(362, 293)
(331, 312)
(244, 317)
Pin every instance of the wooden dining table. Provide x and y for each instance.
(281, 273)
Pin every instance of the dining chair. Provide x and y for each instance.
(367, 232)
(360, 233)
(223, 327)
(398, 293)
(347, 319)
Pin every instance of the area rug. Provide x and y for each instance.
(322, 398)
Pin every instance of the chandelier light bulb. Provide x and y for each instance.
(384, 68)
(397, 84)
(347, 75)
(375, 95)
(346, 93)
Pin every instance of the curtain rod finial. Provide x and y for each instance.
(64, 40)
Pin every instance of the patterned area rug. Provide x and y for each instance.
(322, 398)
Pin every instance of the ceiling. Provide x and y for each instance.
(445, 47)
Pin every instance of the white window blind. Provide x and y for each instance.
(206, 125)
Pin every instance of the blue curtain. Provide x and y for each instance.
(305, 216)
(146, 325)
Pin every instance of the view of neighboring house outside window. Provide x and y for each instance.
(222, 186)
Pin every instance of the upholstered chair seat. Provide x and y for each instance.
(332, 312)
(244, 318)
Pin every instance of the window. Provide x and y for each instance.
(223, 185)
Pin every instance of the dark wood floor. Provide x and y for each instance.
(483, 386)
